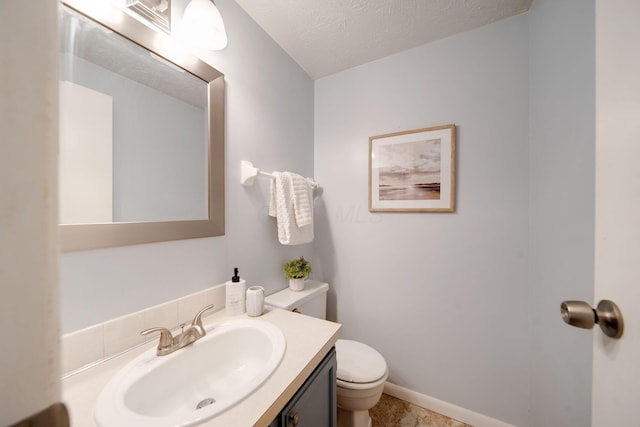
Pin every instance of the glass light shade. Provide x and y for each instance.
(202, 25)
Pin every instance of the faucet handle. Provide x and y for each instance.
(166, 339)
(198, 319)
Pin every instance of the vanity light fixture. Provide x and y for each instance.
(158, 12)
(202, 25)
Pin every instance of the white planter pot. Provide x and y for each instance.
(296, 284)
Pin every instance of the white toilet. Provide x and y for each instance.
(361, 372)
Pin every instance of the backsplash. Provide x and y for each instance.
(87, 346)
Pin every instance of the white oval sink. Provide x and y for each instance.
(194, 383)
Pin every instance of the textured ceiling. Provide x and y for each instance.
(327, 36)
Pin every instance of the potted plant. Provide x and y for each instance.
(297, 270)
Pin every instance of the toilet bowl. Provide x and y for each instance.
(360, 379)
(362, 371)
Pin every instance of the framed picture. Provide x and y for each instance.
(413, 171)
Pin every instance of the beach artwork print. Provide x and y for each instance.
(413, 170)
(410, 171)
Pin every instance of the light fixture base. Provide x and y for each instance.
(157, 12)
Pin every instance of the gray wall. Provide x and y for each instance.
(441, 296)
(464, 306)
(269, 120)
(562, 206)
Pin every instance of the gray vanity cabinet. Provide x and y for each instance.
(314, 404)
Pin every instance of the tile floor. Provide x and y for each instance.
(392, 412)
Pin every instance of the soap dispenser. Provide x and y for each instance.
(235, 293)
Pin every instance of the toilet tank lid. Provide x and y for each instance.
(358, 363)
(288, 299)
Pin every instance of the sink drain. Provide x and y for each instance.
(205, 402)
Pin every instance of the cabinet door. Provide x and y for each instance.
(314, 405)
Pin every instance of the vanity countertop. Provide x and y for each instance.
(307, 339)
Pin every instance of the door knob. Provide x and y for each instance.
(606, 314)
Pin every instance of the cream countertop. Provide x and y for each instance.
(308, 340)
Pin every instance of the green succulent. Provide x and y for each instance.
(298, 268)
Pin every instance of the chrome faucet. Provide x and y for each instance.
(168, 343)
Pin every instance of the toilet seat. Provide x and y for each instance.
(358, 363)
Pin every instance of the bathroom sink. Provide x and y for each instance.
(194, 383)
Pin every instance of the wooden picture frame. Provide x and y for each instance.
(413, 171)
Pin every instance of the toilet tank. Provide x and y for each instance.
(312, 300)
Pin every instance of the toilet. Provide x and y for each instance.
(362, 371)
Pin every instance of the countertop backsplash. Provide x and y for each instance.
(87, 346)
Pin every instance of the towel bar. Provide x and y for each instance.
(248, 173)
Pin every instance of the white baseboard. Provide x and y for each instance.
(450, 410)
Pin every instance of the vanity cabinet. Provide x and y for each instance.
(314, 404)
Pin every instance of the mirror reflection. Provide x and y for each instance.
(133, 131)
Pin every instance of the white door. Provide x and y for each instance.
(29, 371)
(616, 363)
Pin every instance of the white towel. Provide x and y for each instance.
(302, 194)
(292, 205)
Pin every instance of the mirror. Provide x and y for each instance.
(141, 134)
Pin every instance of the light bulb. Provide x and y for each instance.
(202, 25)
